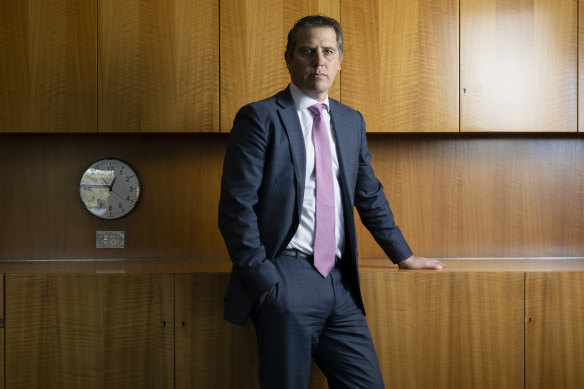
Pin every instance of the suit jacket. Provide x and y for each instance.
(262, 190)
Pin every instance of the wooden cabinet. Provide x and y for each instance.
(253, 41)
(518, 65)
(210, 352)
(409, 66)
(581, 65)
(400, 67)
(460, 328)
(554, 335)
(158, 64)
(89, 331)
(48, 72)
(447, 330)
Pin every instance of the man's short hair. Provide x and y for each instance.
(312, 22)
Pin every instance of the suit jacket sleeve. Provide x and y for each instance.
(241, 180)
(374, 209)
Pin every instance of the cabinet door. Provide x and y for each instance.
(48, 73)
(210, 352)
(518, 65)
(400, 67)
(580, 66)
(89, 331)
(446, 330)
(554, 335)
(158, 65)
(253, 41)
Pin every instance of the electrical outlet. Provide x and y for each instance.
(109, 239)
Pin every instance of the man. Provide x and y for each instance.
(296, 165)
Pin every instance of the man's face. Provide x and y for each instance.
(315, 61)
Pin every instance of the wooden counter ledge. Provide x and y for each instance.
(143, 266)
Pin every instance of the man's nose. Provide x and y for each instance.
(318, 59)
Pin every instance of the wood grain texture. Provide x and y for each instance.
(518, 65)
(447, 330)
(554, 337)
(88, 331)
(400, 67)
(580, 66)
(176, 217)
(453, 196)
(48, 73)
(158, 66)
(464, 197)
(210, 352)
(253, 41)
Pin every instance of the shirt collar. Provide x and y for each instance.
(303, 101)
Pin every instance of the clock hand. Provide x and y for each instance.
(112, 184)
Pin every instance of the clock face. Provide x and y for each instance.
(110, 188)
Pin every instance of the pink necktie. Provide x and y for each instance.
(324, 229)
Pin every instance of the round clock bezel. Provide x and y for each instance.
(105, 215)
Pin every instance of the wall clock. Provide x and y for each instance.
(110, 188)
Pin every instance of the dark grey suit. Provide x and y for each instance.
(262, 190)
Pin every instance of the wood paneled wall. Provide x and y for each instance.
(59, 91)
(518, 65)
(253, 40)
(401, 67)
(158, 64)
(453, 195)
(483, 196)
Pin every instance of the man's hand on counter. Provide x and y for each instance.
(421, 263)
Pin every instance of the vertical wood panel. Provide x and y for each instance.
(580, 66)
(210, 352)
(158, 65)
(253, 41)
(554, 338)
(518, 65)
(400, 67)
(48, 73)
(84, 331)
(447, 330)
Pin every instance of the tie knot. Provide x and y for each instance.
(316, 109)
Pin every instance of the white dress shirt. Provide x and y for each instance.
(303, 240)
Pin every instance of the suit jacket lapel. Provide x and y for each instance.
(289, 117)
(344, 138)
